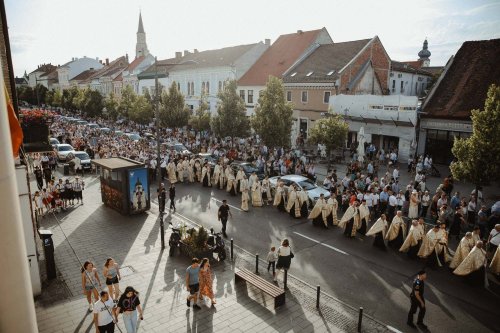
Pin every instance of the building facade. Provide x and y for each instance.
(75, 67)
(389, 122)
(461, 87)
(355, 67)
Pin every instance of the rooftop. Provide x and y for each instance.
(84, 75)
(284, 52)
(324, 63)
(464, 84)
(407, 67)
(115, 163)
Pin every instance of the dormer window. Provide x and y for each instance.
(330, 73)
(309, 74)
(293, 74)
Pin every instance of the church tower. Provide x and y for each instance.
(424, 55)
(141, 48)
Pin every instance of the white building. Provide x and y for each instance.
(75, 67)
(389, 121)
(34, 77)
(202, 73)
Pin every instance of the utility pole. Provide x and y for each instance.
(158, 160)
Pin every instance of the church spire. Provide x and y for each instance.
(141, 48)
(141, 27)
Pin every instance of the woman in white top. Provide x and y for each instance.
(285, 256)
(90, 281)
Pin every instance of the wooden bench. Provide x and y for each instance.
(269, 288)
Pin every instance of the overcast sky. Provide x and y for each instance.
(43, 31)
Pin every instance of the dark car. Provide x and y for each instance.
(211, 159)
(248, 168)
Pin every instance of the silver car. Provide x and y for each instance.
(303, 184)
(62, 150)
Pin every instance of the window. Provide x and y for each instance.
(393, 85)
(416, 88)
(203, 87)
(400, 75)
(309, 74)
(144, 89)
(402, 89)
(330, 73)
(293, 74)
(288, 96)
(250, 97)
(304, 97)
(188, 88)
(178, 86)
(207, 87)
(326, 97)
(192, 88)
(391, 75)
(242, 94)
(220, 85)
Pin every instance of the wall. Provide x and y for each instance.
(409, 80)
(381, 62)
(29, 228)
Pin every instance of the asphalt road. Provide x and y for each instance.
(349, 269)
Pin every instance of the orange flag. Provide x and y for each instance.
(16, 133)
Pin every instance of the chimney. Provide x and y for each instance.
(91, 68)
(186, 52)
(107, 61)
(126, 56)
(195, 51)
(72, 59)
(300, 31)
(267, 41)
(178, 55)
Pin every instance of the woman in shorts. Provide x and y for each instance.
(112, 274)
(90, 281)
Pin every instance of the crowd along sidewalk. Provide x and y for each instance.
(96, 232)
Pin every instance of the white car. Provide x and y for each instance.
(303, 184)
(62, 150)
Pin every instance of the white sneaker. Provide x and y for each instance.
(91, 307)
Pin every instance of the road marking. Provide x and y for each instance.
(318, 242)
(227, 204)
(392, 329)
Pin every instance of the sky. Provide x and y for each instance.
(54, 31)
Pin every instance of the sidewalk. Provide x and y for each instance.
(97, 232)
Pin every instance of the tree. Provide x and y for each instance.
(331, 131)
(56, 98)
(69, 98)
(127, 101)
(94, 102)
(273, 115)
(142, 111)
(200, 120)
(111, 105)
(49, 96)
(478, 157)
(231, 119)
(40, 93)
(26, 94)
(173, 110)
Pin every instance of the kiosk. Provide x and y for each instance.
(124, 185)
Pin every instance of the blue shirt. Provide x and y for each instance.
(454, 202)
(384, 196)
(193, 274)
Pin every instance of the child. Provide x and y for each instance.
(271, 259)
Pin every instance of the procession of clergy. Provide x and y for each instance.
(468, 260)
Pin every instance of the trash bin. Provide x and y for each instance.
(66, 169)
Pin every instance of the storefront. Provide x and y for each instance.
(437, 137)
(124, 185)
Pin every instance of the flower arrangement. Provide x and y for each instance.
(35, 117)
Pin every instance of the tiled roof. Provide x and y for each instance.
(20, 80)
(435, 70)
(84, 75)
(117, 64)
(163, 67)
(52, 76)
(464, 84)
(135, 63)
(119, 77)
(415, 64)
(398, 66)
(279, 57)
(226, 56)
(45, 68)
(323, 64)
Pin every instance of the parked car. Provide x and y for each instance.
(303, 184)
(82, 122)
(92, 126)
(118, 133)
(105, 130)
(211, 159)
(133, 136)
(179, 148)
(54, 142)
(248, 168)
(85, 160)
(62, 150)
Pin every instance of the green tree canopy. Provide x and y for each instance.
(26, 94)
(200, 120)
(273, 115)
(127, 101)
(111, 105)
(478, 157)
(69, 98)
(57, 98)
(142, 111)
(231, 119)
(91, 102)
(331, 131)
(173, 110)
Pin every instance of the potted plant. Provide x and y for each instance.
(35, 126)
(195, 243)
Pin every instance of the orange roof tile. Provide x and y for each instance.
(279, 57)
(135, 63)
